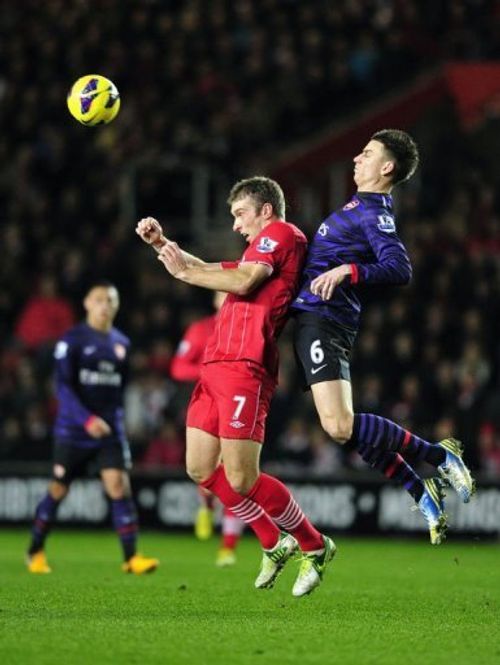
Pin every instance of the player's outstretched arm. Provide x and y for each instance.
(240, 280)
(150, 231)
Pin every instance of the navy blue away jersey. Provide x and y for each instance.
(91, 368)
(363, 234)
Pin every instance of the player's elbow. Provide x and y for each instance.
(244, 287)
(175, 372)
(401, 273)
(250, 277)
(406, 274)
(180, 371)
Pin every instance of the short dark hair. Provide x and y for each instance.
(262, 190)
(402, 149)
(100, 284)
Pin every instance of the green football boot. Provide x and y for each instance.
(312, 569)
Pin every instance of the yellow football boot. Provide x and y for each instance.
(225, 557)
(204, 523)
(138, 565)
(37, 563)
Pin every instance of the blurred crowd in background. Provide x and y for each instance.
(234, 83)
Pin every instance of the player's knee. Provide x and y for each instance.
(194, 473)
(338, 428)
(116, 485)
(240, 480)
(116, 491)
(198, 473)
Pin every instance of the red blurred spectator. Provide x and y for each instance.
(45, 317)
(167, 449)
(160, 356)
(186, 362)
(489, 449)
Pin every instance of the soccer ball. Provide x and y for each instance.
(94, 100)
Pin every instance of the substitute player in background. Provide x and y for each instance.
(358, 245)
(91, 369)
(186, 367)
(230, 403)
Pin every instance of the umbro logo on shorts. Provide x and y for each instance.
(237, 424)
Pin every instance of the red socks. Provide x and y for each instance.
(277, 501)
(265, 529)
(232, 528)
(268, 498)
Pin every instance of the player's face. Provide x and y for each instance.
(101, 305)
(371, 168)
(249, 220)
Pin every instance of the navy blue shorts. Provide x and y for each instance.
(322, 349)
(70, 461)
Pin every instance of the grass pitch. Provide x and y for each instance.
(382, 601)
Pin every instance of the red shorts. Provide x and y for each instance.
(231, 401)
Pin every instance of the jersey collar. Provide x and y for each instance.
(375, 197)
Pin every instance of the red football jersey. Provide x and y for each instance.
(186, 363)
(248, 326)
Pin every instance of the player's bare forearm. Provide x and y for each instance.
(192, 260)
(189, 259)
(217, 279)
(240, 281)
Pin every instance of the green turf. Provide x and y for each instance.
(382, 602)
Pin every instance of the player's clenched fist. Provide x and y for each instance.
(149, 229)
